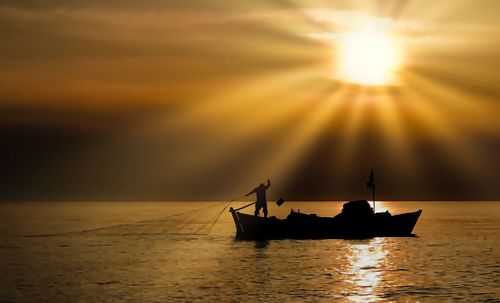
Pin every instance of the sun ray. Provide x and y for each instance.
(396, 137)
(288, 153)
(356, 109)
(439, 129)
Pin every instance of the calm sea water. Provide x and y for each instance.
(144, 252)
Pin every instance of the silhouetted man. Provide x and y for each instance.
(261, 202)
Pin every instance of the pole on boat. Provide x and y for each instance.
(373, 196)
(279, 202)
(371, 184)
(245, 206)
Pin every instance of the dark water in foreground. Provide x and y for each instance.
(135, 252)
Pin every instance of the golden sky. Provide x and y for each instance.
(201, 99)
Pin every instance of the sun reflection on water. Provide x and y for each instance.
(381, 206)
(365, 260)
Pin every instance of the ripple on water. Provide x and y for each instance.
(443, 264)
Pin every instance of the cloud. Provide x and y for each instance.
(86, 53)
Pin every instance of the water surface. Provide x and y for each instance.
(144, 252)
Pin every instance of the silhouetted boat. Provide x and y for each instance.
(356, 221)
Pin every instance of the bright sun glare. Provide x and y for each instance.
(368, 58)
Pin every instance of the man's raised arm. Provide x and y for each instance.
(268, 183)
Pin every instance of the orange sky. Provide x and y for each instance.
(202, 99)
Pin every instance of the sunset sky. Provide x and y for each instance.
(202, 99)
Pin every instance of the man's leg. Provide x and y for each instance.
(257, 209)
(264, 206)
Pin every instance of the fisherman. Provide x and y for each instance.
(261, 202)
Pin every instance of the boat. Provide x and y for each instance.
(357, 220)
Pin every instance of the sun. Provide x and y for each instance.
(368, 58)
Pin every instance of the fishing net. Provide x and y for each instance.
(197, 221)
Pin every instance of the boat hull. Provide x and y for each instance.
(305, 226)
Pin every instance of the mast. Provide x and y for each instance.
(371, 184)
(373, 196)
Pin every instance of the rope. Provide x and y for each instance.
(212, 226)
(215, 218)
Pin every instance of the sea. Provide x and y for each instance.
(187, 252)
